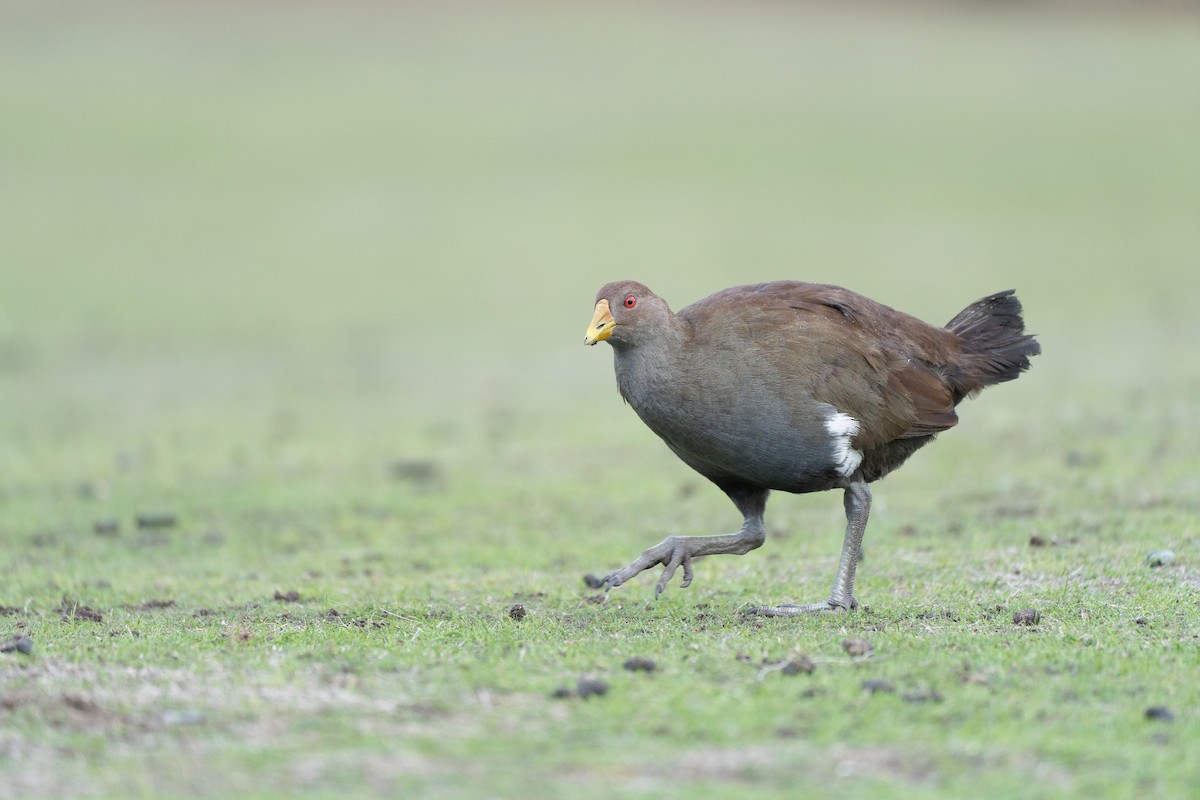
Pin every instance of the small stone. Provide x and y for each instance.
(1160, 558)
(591, 687)
(876, 685)
(19, 644)
(1160, 713)
(799, 666)
(640, 664)
(1027, 616)
(517, 612)
(857, 647)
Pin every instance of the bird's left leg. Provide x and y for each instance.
(679, 551)
(857, 501)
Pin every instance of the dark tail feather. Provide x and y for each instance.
(995, 347)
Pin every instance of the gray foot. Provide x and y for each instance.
(795, 609)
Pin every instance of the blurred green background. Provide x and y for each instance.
(277, 246)
(418, 202)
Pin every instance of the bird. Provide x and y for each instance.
(796, 387)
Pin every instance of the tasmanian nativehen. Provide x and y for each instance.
(800, 387)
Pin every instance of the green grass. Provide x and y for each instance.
(313, 280)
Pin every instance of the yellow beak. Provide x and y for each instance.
(602, 324)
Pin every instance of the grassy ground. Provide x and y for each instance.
(308, 284)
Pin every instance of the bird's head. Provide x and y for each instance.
(626, 314)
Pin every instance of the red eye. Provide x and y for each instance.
(630, 301)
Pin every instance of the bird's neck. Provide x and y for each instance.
(648, 369)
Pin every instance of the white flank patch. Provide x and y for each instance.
(843, 428)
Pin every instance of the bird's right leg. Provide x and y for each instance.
(679, 551)
(857, 502)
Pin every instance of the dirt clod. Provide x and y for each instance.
(287, 597)
(639, 664)
(517, 612)
(1036, 541)
(71, 611)
(563, 693)
(1027, 616)
(1160, 713)
(8, 611)
(857, 648)
(799, 666)
(1142, 621)
(591, 687)
(156, 520)
(592, 581)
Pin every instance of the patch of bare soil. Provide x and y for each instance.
(153, 604)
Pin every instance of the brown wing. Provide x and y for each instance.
(868, 360)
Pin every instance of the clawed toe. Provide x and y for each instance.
(796, 609)
(609, 581)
